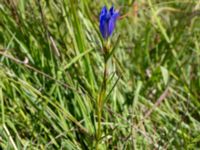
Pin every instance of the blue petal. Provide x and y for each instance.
(111, 10)
(112, 22)
(104, 22)
(103, 12)
(104, 27)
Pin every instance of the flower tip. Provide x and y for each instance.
(104, 9)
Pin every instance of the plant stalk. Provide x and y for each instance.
(100, 101)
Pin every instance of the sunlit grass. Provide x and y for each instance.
(51, 70)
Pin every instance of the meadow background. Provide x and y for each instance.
(51, 70)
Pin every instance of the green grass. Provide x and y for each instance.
(51, 70)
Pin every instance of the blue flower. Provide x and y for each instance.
(107, 21)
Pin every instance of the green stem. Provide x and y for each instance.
(100, 100)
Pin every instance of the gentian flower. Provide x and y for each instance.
(107, 20)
